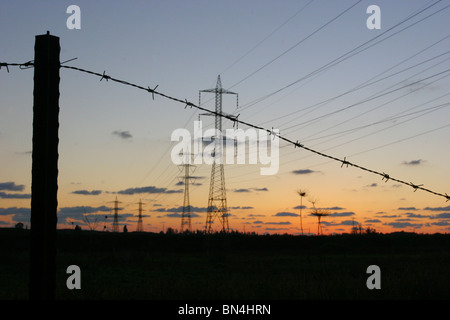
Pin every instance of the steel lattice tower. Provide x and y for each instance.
(116, 216)
(140, 228)
(186, 215)
(187, 209)
(217, 200)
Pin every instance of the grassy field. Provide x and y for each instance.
(149, 266)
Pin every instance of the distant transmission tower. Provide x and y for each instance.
(116, 216)
(217, 200)
(140, 227)
(319, 214)
(187, 209)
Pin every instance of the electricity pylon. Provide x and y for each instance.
(115, 227)
(140, 227)
(217, 199)
(187, 209)
(319, 214)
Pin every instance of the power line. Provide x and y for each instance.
(380, 94)
(395, 117)
(350, 53)
(297, 44)
(361, 86)
(404, 139)
(374, 108)
(429, 110)
(267, 37)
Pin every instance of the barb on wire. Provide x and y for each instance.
(2, 64)
(104, 76)
(152, 91)
(68, 60)
(345, 163)
(26, 65)
(297, 144)
(235, 120)
(188, 104)
(235, 123)
(273, 133)
(415, 187)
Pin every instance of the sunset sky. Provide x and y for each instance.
(312, 69)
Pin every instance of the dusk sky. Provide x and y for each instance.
(312, 69)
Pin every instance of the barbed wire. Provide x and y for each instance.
(22, 66)
(235, 119)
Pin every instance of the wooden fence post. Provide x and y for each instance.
(44, 185)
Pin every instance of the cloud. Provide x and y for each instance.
(441, 223)
(300, 207)
(341, 223)
(122, 134)
(250, 190)
(14, 210)
(342, 214)
(389, 216)
(241, 208)
(286, 214)
(81, 210)
(413, 215)
(192, 181)
(241, 190)
(408, 208)
(280, 223)
(254, 216)
(438, 208)
(149, 189)
(77, 213)
(124, 216)
(181, 183)
(180, 209)
(19, 214)
(413, 162)
(373, 221)
(65, 214)
(258, 222)
(23, 217)
(401, 225)
(4, 195)
(373, 185)
(332, 208)
(445, 215)
(86, 192)
(11, 186)
(303, 171)
(260, 189)
(178, 215)
(198, 177)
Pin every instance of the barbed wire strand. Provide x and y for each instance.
(235, 119)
